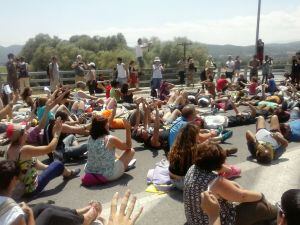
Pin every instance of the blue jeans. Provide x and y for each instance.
(73, 151)
(55, 169)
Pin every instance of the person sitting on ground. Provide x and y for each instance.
(25, 155)
(26, 96)
(265, 145)
(101, 150)
(182, 155)
(288, 208)
(164, 90)
(45, 214)
(114, 91)
(272, 87)
(126, 94)
(68, 147)
(241, 81)
(210, 86)
(200, 177)
(252, 86)
(222, 84)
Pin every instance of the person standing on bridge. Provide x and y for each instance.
(254, 65)
(53, 73)
(23, 74)
(139, 50)
(79, 66)
(11, 68)
(156, 76)
(229, 68)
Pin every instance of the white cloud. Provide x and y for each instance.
(277, 26)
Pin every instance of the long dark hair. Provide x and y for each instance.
(98, 128)
(184, 147)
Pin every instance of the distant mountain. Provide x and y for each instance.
(277, 51)
(4, 51)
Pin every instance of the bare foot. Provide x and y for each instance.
(90, 216)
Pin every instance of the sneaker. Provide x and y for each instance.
(235, 172)
(226, 134)
(131, 165)
(231, 151)
(74, 173)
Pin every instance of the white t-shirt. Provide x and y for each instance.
(265, 136)
(55, 70)
(138, 51)
(157, 71)
(12, 215)
(230, 66)
(121, 70)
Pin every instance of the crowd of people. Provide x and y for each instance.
(188, 125)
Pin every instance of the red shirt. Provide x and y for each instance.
(252, 88)
(108, 87)
(221, 84)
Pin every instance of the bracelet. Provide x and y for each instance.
(56, 136)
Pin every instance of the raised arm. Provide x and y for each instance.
(230, 192)
(155, 136)
(35, 151)
(117, 143)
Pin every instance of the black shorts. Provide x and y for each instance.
(229, 75)
(234, 121)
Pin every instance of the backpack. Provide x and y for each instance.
(23, 70)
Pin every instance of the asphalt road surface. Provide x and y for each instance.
(168, 208)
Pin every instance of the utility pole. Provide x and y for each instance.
(257, 25)
(184, 44)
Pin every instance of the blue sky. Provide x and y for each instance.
(213, 21)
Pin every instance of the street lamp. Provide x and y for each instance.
(257, 25)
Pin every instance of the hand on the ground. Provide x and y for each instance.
(210, 204)
(123, 217)
(58, 126)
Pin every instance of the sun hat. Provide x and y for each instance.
(156, 59)
(92, 64)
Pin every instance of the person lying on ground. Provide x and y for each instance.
(291, 129)
(266, 146)
(25, 156)
(102, 147)
(252, 207)
(153, 137)
(8, 109)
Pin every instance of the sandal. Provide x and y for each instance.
(74, 173)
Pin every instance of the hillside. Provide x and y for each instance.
(4, 51)
(277, 51)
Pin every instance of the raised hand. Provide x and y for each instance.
(123, 217)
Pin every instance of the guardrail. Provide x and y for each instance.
(40, 79)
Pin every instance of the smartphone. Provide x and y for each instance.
(7, 89)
